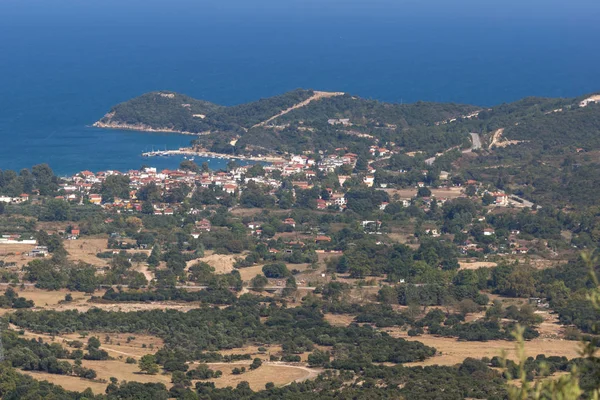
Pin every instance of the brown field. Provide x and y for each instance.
(222, 263)
(278, 373)
(68, 382)
(452, 351)
(51, 298)
(117, 346)
(253, 350)
(86, 249)
(339, 319)
(476, 265)
(124, 372)
(105, 370)
(16, 253)
(450, 193)
(248, 273)
(128, 307)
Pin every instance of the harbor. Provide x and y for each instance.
(188, 152)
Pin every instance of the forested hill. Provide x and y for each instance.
(306, 120)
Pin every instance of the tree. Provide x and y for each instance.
(256, 363)
(148, 364)
(318, 358)
(155, 256)
(424, 192)
(276, 270)
(56, 210)
(189, 165)
(488, 199)
(467, 306)
(470, 190)
(147, 208)
(115, 186)
(259, 282)
(2, 207)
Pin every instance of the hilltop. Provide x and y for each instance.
(307, 120)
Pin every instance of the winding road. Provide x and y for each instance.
(476, 145)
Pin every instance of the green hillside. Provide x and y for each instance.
(305, 120)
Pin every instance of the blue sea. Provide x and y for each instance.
(64, 63)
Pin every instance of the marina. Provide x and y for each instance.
(189, 154)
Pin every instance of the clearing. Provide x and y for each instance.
(447, 193)
(592, 99)
(452, 351)
(222, 263)
(16, 253)
(105, 370)
(280, 374)
(476, 264)
(117, 345)
(72, 383)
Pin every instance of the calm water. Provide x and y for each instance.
(63, 63)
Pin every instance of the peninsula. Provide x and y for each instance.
(314, 121)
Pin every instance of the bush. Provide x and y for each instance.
(256, 363)
(277, 270)
(415, 332)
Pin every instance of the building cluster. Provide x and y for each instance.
(85, 185)
(82, 185)
(14, 200)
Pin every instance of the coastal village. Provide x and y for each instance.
(303, 172)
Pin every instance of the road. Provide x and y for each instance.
(177, 287)
(476, 141)
(476, 145)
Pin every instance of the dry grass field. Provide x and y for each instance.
(278, 373)
(476, 264)
(105, 370)
(452, 351)
(16, 253)
(52, 298)
(86, 249)
(124, 372)
(117, 346)
(339, 319)
(248, 273)
(222, 263)
(69, 382)
(440, 193)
